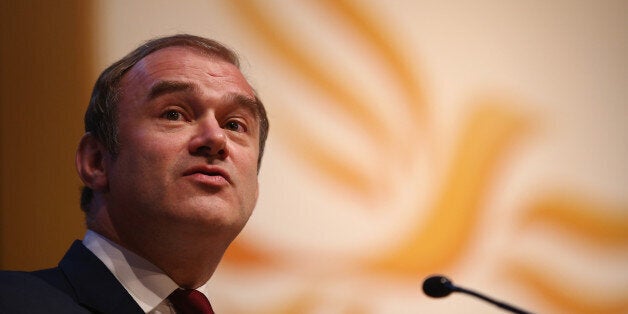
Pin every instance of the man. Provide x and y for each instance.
(173, 144)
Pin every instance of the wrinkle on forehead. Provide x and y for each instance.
(169, 87)
(184, 63)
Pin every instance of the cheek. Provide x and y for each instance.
(250, 198)
(247, 167)
(153, 148)
(143, 161)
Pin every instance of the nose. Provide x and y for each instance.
(209, 139)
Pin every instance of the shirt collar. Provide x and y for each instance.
(146, 283)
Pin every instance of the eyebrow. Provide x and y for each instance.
(246, 102)
(249, 103)
(169, 87)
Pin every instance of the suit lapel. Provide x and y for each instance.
(94, 285)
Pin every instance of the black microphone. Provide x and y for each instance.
(439, 286)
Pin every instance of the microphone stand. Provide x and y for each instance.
(440, 286)
(500, 304)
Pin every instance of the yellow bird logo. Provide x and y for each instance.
(437, 241)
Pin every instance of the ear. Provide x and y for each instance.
(90, 162)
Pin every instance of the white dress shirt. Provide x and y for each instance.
(147, 284)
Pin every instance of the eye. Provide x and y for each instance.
(172, 115)
(235, 126)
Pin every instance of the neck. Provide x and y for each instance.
(189, 257)
(189, 265)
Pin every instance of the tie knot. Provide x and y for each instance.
(190, 301)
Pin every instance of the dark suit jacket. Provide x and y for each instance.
(80, 284)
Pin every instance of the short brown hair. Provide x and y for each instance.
(101, 114)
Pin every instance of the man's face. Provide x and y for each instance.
(189, 144)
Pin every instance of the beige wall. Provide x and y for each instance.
(46, 75)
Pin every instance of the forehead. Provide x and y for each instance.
(187, 64)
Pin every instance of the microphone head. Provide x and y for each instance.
(437, 286)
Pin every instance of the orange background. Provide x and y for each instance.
(47, 74)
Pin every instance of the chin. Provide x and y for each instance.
(215, 218)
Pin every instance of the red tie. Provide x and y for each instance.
(190, 301)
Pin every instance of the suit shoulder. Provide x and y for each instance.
(24, 292)
(56, 278)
